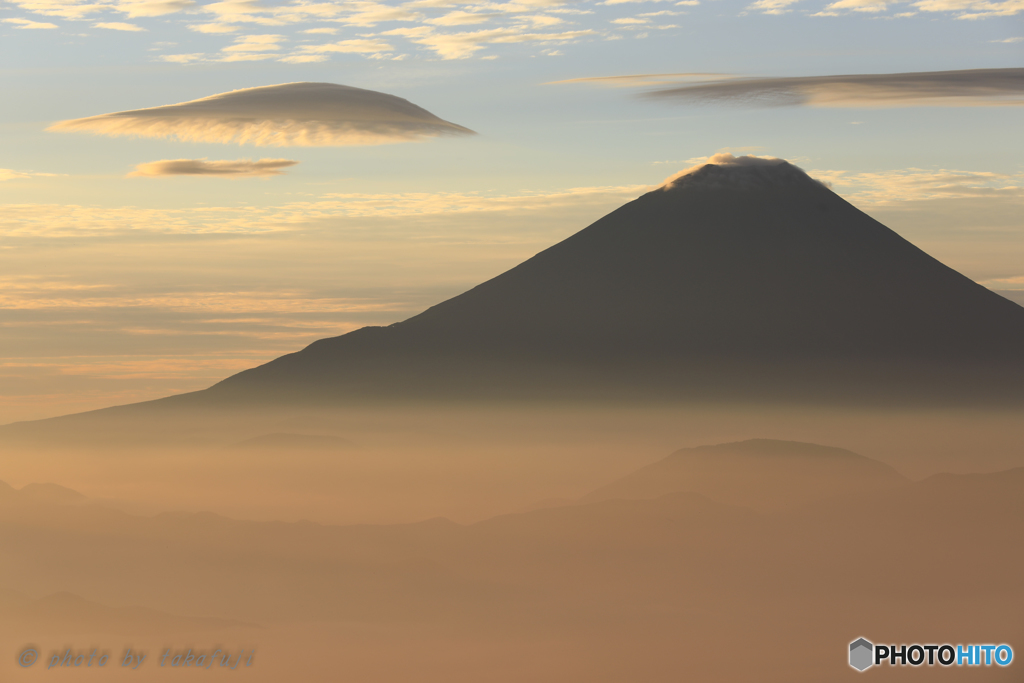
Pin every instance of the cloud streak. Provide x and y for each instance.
(78, 9)
(71, 220)
(972, 9)
(11, 174)
(27, 23)
(465, 44)
(976, 87)
(644, 80)
(223, 169)
(118, 26)
(919, 184)
(291, 114)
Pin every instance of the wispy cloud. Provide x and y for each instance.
(414, 204)
(918, 184)
(83, 221)
(353, 46)
(972, 9)
(221, 169)
(1014, 283)
(431, 23)
(79, 9)
(291, 114)
(772, 6)
(645, 80)
(36, 296)
(256, 43)
(183, 58)
(461, 18)
(624, 2)
(977, 87)
(368, 14)
(10, 174)
(214, 28)
(26, 23)
(465, 44)
(152, 8)
(872, 6)
(434, 24)
(118, 26)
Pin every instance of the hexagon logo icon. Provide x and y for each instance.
(862, 654)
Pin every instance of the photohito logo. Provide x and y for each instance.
(864, 654)
(861, 654)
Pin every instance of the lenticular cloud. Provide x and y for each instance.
(975, 87)
(290, 114)
(224, 169)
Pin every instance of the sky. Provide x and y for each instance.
(158, 251)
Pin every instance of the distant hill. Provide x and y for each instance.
(659, 553)
(40, 493)
(666, 587)
(763, 474)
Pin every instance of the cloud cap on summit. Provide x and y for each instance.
(722, 167)
(289, 114)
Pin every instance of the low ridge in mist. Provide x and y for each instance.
(759, 473)
(603, 591)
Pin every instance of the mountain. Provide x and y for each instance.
(744, 280)
(764, 474)
(734, 281)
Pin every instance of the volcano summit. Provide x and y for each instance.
(739, 280)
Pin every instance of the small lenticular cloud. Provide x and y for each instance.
(224, 169)
(27, 23)
(291, 114)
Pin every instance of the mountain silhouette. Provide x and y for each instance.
(744, 280)
(738, 280)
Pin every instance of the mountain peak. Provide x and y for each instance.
(725, 171)
(740, 279)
